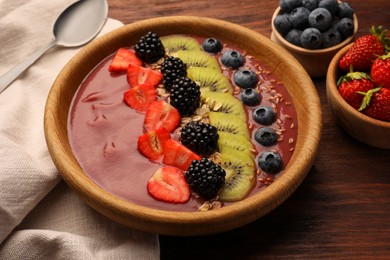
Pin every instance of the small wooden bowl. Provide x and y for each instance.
(363, 128)
(315, 62)
(297, 81)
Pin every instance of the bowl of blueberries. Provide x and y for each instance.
(313, 31)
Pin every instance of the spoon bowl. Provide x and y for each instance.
(77, 25)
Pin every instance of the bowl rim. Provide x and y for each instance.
(302, 50)
(331, 84)
(155, 220)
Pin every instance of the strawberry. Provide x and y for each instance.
(176, 154)
(122, 59)
(380, 71)
(376, 103)
(161, 114)
(352, 83)
(137, 75)
(365, 50)
(169, 185)
(140, 97)
(152, 144)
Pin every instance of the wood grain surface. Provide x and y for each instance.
(341, 210)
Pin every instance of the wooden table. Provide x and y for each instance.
(341, 210)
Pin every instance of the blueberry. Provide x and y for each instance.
(299, 17)
(345, 10)
(321, 19)
(282, 23)
(286, 6)
(212, 45)
(345, 27)
(270, 162)
(294, 37)
(264, 115)
(250, 97)
(232, 59)
(330, 38)
(311, 38)
(310, 4)
(266, 136)
(245, 78)
(331, 5)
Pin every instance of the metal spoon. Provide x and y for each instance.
(77, 25)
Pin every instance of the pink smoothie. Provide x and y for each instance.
(103, 133)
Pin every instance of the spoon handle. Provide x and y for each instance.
(11, 75)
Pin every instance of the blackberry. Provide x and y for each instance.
(172, 68)
(205, 177)
(200, 137)
(185, 96)
(149, 48)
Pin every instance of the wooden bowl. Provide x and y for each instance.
(363, 128)
(315, 62)
(299, 85)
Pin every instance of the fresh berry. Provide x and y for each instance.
(122, 59)
(212, 45)
(266, 136)
(376, 103)
(232, 59)
(250, 97)
(330, 38)
(380, 71)
(172, 68)
(310, 4)
(286, 6)
(161, 114)
(185, 96)
(345, 27)
(245, 78)
(200, 137)
(270, 162)
(331, 5)
(264, 115)
(299, 18)
(311, 38)
(294, 36)
(151, 144)
(365, 50)
(169, 185)
(282, 23)
(205, 178)
(350, 84)
(345, 10)
(149, 48)
(140, 97)
(137, 75)
(177, 155)
(320, 18)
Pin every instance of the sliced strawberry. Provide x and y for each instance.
(140, 97)
(122, 59)
(161, 114)
(176, 154)
(137, 75)
(152, 144)
(169, 185)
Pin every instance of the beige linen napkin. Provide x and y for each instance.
(40, 218)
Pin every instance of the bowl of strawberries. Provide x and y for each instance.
(358, 88)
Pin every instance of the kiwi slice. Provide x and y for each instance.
(240, 176)
(229, 123)
(210, 79)
(226, 103)
(194, 58)
(175, 43)
(233, 141)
